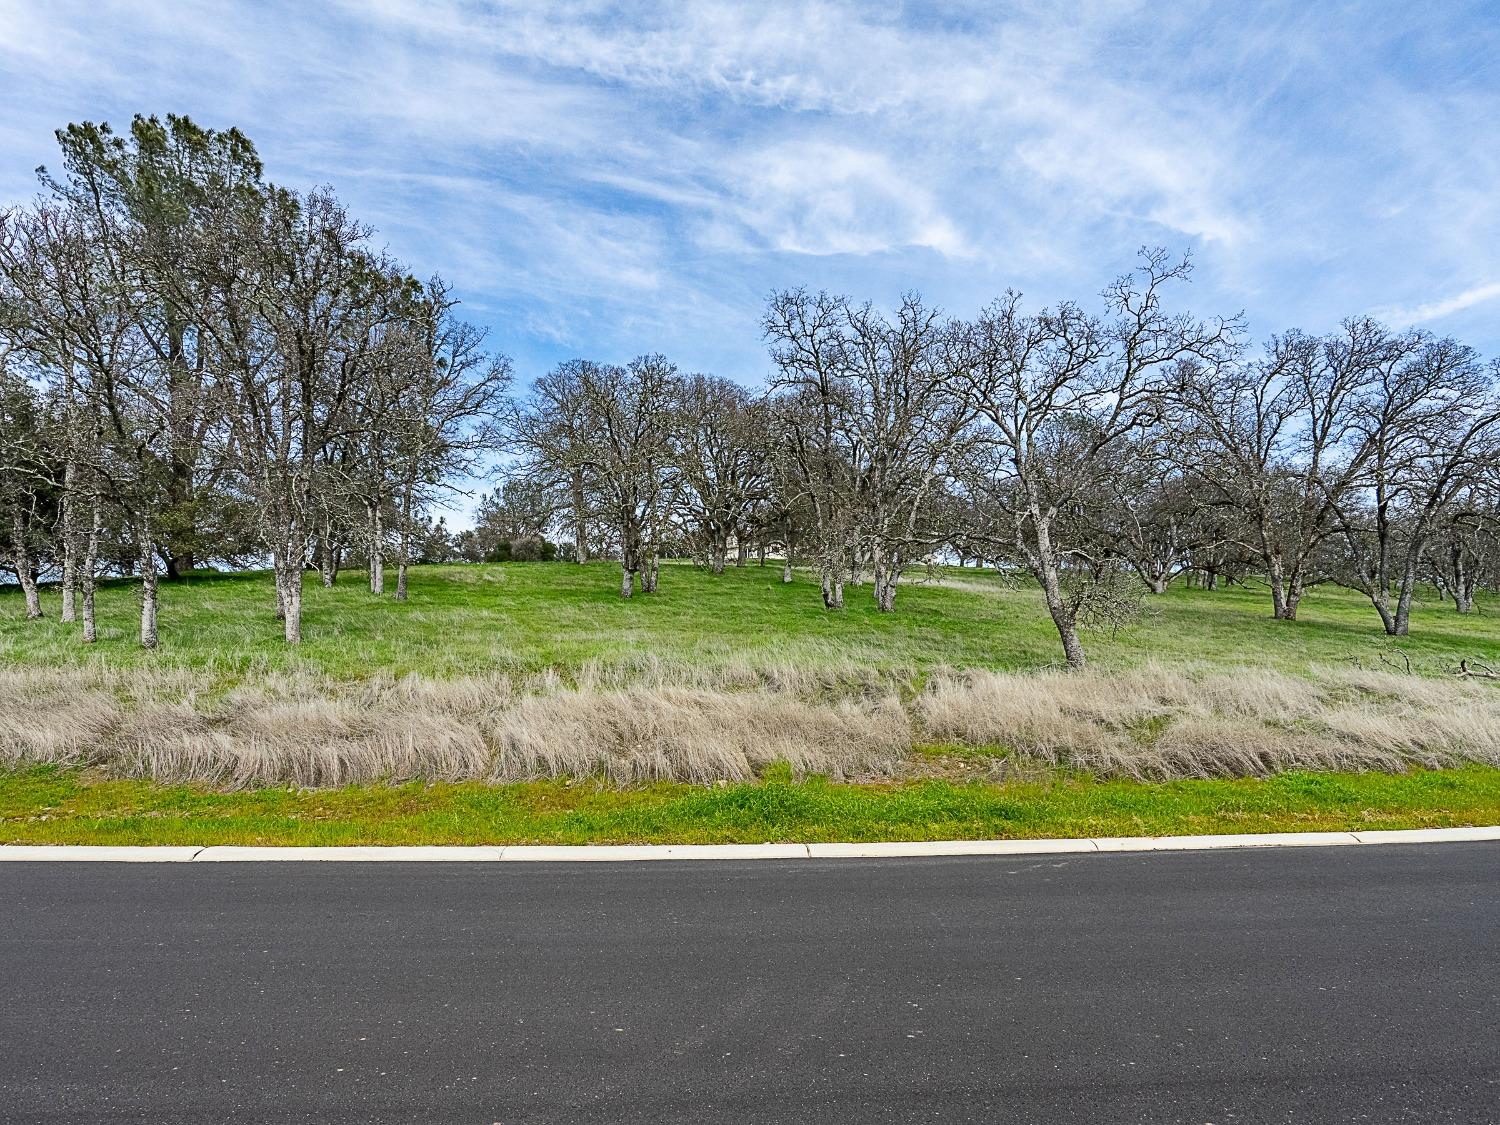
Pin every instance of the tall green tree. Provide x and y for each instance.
(155, 190)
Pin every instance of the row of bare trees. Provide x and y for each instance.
(197, 364)
(1103, 453)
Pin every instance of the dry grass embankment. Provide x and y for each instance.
(669, 723)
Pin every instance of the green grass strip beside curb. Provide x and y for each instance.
(53, 806)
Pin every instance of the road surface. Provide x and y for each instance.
(1301, 985)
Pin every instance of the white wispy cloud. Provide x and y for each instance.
(1443, 307)
(617, 177)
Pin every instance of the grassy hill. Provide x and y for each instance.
(530, 617)
(528, 702)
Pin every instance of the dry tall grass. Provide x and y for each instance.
(660, 721)
(1160, 723)
(310, 731)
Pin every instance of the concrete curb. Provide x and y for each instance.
(62, 853)
(363, 854)
(526, 853)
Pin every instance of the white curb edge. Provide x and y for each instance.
(522, 853)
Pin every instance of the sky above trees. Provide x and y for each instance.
(610, 180)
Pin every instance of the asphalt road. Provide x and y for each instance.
(1337, 985)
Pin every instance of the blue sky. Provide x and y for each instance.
(604, 180)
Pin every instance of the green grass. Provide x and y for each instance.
(50, 806)
(525, 617)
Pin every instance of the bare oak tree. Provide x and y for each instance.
(1058, 393)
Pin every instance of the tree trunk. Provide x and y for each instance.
(328, 567)
(402, 563)
(1378, 584)
(885, 575)
(1404, 598)
(69, 543)
(1462, 590)
(289, 586)
(760, 553)
(1062, 617)
(649, 573)
(377, 550)
(1387, 618)
(627, 580)
(1294, 592)
(90, 560)
(148, 586)
(718, 551)
(786, 567)
(1157, 584)
(833, 585)
(22, 561)
(580, 528)
(1067, 631)
(742, 550)
(1284, 594)
(1046, 572)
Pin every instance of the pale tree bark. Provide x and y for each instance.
(580, 520)
(21, 559)
(147, 564)
(832, 581)
(1287, 588)
(1062, 618)
(377, 549)
(289, 586)
(1462, 588)
(1402, 624)
(288, 560)
(86, 571)
(886, 572)
(328, 564)
(1043, 561)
